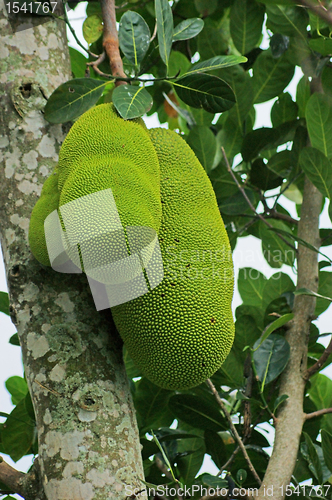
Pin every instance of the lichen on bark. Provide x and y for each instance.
(88, 440)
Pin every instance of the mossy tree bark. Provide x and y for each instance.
(88, 439)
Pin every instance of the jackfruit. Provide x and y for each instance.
(48, 201)
(180, 333)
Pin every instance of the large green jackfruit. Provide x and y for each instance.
(48, 201)
(180, 333)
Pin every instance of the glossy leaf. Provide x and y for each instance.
(270, 76)
(218, 62)
(246, 333)
(251, 284)
(189, 28)
(203, 142)
(320, 391)
(318, 168)
(271, 358)
(197, 412)
(164, 18)
(262, 177)
(230, 137)
(272, 327)
(131, 102)
(310, 454)
(327, 448)
(93, 28)
(4, 303)
(188, 465)
(134, 36)
(17, 387)
(286, 20)
(151, 404)
(72, 99)
(78, 63)
(302, 95)
(256, 141)
(283, 110)
(275, 286)
(279, 401)
(18, 435)
(210, 41)
(205, 91)
(276, 252)
(319, 122)
(215, 447)
(281, 163)
(246, 19)
(322, 45)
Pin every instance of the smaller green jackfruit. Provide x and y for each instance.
(47, 203)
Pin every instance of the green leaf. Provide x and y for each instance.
(134, 37)
(319, 122)
(17, 387)
(4, 303)
(213, 481)
(324, 289)
(205, 91)
(237, 204)
(283, 110)
(187, 29)
(326, 79)
(256, 141)
(206, 7)
(241, 476)
(262, 177)
(327, 448)
(281, 163)
(246, 19)
(178, 63)
(203, 142)
(275, 286)
(131, 368)
(246, 333)
(14, 340)
(271, 358)
(241, 84)
(72, 99)
(197, 412)
(312, 458)
(231, 371)
(164, 18)
(303, 95)
(278, 45)
(167, 462)
(151, 404)
(230, 137)
(215, 447)
(318, 168)
(251, 284)
(276, 252)
(18, 435)
(217, 62)
(211, 41)
(322, 45)
(131, 102)
(270, 76)
(78, 63)
(190, 463)
(320, 391)
(286, 20)
(93, 28)
(280, 399)
(272, 327)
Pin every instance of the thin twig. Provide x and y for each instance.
(162, 467)
(318, 413)
(66, 19)
(244, 194)
(154, 34)
(12, 478)
(319, 10)
(111, 40)
(319, 363)
(234, 431)
(230, 460)
(274, 214)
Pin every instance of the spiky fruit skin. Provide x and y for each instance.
(48, 201)
(180, 333)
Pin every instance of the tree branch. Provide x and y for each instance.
(319, 363)
(260, 216)
(234, 431)
(317, 413)
(319, 10)
(12, 478)
(292, 381)
(111, 40)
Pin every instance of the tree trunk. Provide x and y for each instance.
(87, 433)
